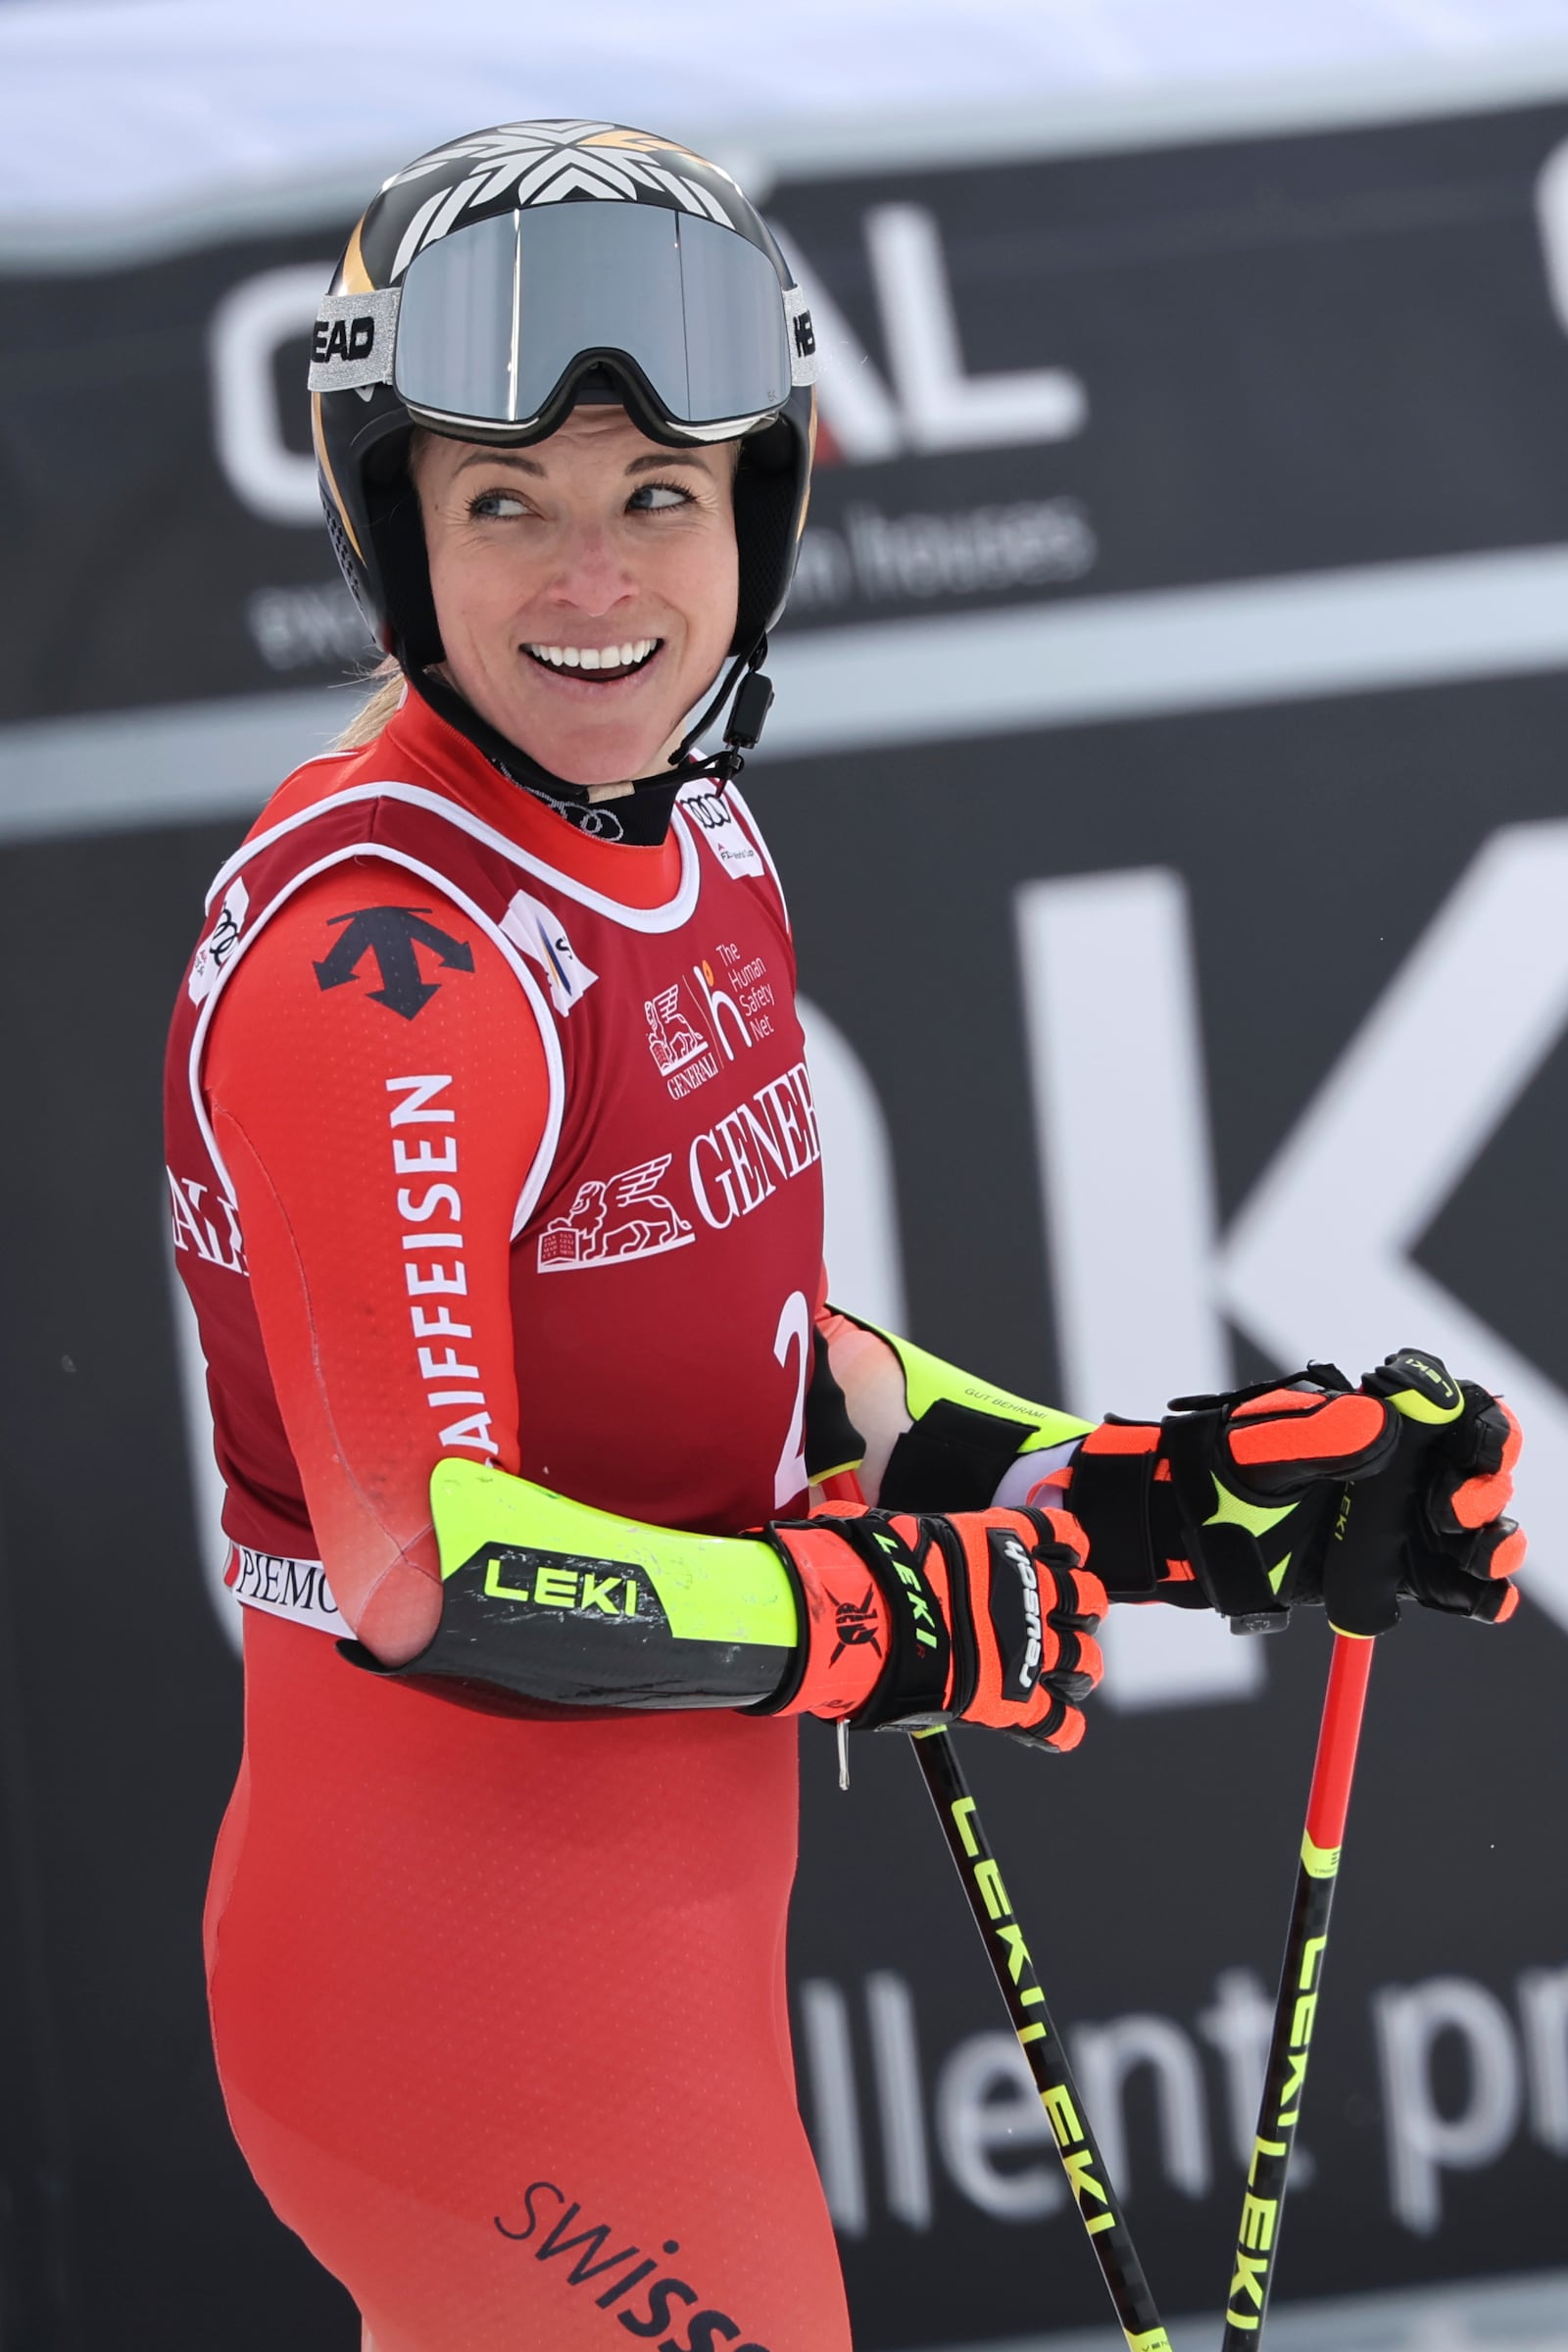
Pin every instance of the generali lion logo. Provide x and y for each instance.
(613, 1219)
(678, 1049)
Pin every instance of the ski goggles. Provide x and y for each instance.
(492, 325)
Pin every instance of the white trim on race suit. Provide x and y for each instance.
(668, 917)
(544, 1158)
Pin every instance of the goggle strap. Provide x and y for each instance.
(803, 336)
(353, 339)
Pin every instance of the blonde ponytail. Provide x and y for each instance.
(378, 707)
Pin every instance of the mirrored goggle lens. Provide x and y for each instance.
(492, 315)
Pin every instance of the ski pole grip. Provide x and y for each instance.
(1364, 1565)
(1366, 1550)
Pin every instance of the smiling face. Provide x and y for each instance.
(585, 587)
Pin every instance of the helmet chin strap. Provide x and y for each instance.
(754, 699)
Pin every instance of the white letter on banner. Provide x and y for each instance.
(1544, 2006)
(857, 406)
(1423, 2141)
(860, 1202)
(986, 2100)
(1116, 1064)
(1104, 2056)
(1239, 2027)
(1318, 1260)
(943, 407)
(247, 326)
(896, 2058)
(835, 2112)
(1552, 212)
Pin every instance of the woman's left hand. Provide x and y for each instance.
(1309, 1489)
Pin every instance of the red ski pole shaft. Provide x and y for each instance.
(1258, 2239)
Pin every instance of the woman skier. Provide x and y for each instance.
(521, 1367)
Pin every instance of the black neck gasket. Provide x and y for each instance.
(640, 816)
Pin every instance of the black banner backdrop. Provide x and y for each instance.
(1220, 363)
(1077, 374)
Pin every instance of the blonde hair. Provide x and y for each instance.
(387, 682)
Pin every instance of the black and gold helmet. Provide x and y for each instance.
(506, 275)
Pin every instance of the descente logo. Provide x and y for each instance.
(706, 2331)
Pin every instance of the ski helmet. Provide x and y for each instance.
(504, 276)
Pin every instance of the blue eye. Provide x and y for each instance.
(499, 504)
(652, 497)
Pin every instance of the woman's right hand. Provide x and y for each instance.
(986, 1617)
(862, 1617)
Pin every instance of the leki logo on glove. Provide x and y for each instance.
(918, 1597)
(1433, 1378)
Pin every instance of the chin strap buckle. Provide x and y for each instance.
(751, 704)
(754, 699)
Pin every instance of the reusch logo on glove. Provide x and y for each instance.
(1014, 1601)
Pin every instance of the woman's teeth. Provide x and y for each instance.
(614, 657)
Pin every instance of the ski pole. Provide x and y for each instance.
(1257, 2238)
(1089, 2182)
(1093, 2193)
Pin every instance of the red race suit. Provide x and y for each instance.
(490, 1138)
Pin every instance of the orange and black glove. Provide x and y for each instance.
(1251, 1501)
(866, 1617)
(984, 1617)
(1432, 1524)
